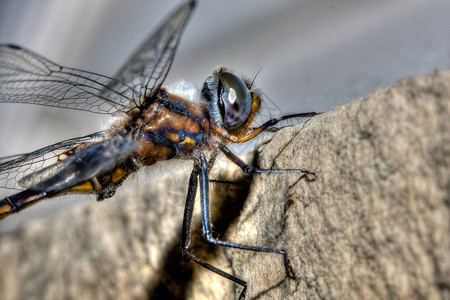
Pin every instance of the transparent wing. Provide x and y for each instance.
(14, 168)
(26, 77)
(88, 162)
(147, 68)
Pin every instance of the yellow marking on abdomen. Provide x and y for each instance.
(84, 186)
(5, 208)
(118, 174)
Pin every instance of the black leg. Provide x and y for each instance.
(269, 126)
(200, 171)
(189, 208)
(274, 121)
(208, 232)
(250, 170)
(186, 231)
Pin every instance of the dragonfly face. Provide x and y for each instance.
(156, 125)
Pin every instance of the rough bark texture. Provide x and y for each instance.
(374, 224)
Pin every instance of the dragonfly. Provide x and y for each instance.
(151, 124)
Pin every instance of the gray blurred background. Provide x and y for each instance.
(314, 55)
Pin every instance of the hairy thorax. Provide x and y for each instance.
(173, 127)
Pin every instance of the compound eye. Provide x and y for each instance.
(235, 100)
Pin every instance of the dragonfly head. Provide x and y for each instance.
(231, 102)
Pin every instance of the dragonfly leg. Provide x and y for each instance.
(250, 170)
(185, 236)
(208, 232)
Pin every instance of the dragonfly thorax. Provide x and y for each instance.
(172, 127)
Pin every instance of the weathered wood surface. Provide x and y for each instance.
(374, 224)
